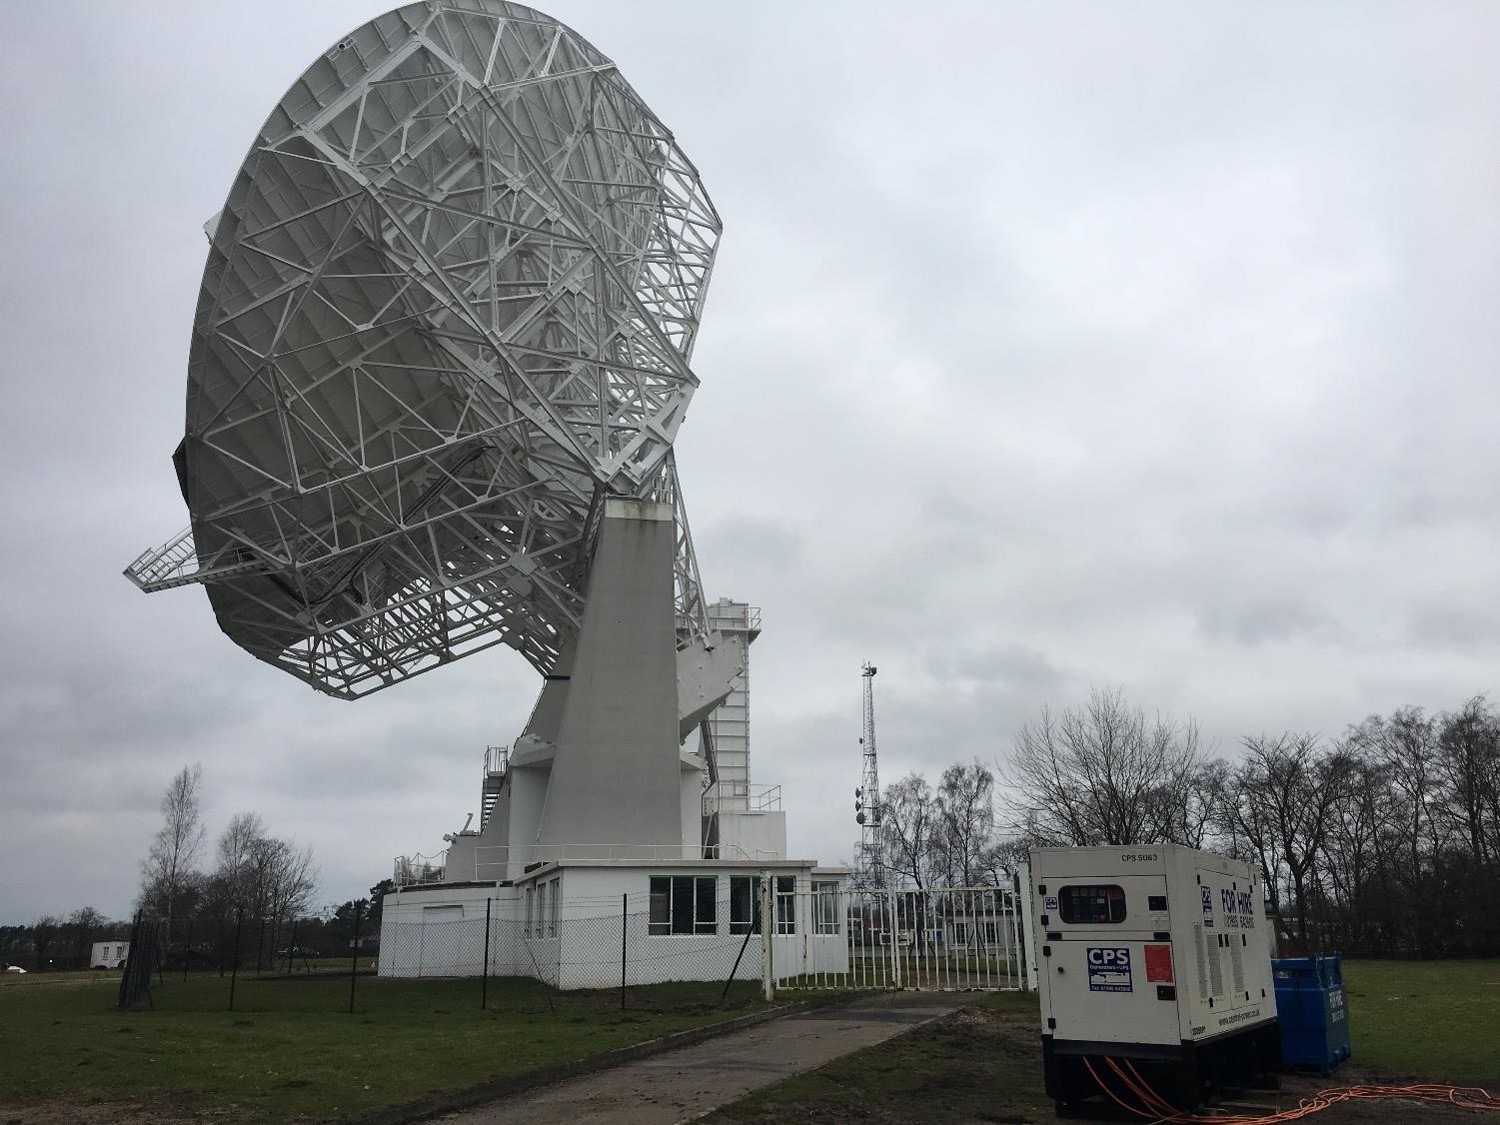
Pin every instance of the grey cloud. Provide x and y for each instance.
(1446, 627)
(1048, 345)
(1271, 621)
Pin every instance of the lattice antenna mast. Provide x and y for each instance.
(867, 804)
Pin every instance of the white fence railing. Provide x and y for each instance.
(940, 938)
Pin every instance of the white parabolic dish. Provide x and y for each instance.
(448, 308)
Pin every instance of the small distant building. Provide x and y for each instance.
(109, 954)
(980, 921)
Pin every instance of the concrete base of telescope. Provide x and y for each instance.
(600, 772)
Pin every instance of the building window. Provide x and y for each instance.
(530, 910)
(825, 908)
(744, 904)
(1091, 906)
(786, 904)
(553, 906)
(684, 904)
(661, 906)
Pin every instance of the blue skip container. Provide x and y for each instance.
(1313, 1010)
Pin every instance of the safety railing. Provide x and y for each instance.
(496, 759)
(729, 796)
(414, 870)
(483, 863)
(177, 563)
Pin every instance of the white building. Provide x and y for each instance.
(109, 954)
(600, 812)
(590, 923)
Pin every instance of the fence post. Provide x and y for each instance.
(767, 930)
(1025, 936)
(624, 934)
(234, 969)
(895, 932)
(749, 929)
(422, 947)
(354, 958)
(126, 992)
(484, 989)
(291, 947)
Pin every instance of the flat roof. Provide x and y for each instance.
(749, 867)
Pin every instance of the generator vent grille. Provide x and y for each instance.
(1198, 947)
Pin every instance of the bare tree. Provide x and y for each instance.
(1363, 831)
(292, 879)
(1284, 795)
(909, 817)
(260, 877)
(1406, 744)
(1104, 775)
(964, 832)
(235, 866)
(170, 864)
(1469, 767)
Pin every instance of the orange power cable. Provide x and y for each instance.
(1153, 1105)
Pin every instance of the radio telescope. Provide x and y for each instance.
(439, 359)
(447, 316)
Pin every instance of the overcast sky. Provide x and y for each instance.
(1049, 345)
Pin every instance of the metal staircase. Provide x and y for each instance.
(496, 760)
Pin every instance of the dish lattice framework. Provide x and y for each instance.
(449, 307)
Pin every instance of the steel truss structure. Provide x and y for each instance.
(449, 307)
(869, 861)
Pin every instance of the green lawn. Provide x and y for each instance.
(291, 1050)
(1433, 1019)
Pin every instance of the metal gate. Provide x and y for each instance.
(936, 938)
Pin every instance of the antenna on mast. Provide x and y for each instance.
(869, 870)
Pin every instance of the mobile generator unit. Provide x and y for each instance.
(1155, 957)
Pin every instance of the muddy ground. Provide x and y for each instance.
(984, 1065)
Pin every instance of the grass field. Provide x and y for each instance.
(1435, 1019)
(291, 1050)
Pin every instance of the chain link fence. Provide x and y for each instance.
(684, 943)
(575, 946)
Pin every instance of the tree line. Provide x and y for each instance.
(254, 875)
(248, 899)
(1383, 839)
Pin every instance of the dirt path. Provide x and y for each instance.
(687, 1083)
